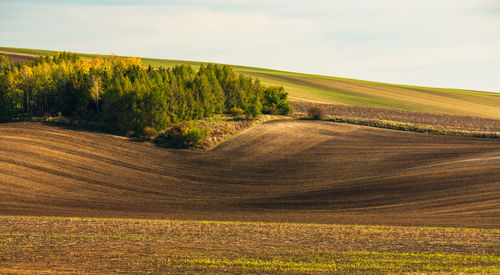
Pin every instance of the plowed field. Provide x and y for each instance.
(286, 171)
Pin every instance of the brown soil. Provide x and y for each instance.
(450, 122)
(18, 58)
(55, 245)
(296, 171)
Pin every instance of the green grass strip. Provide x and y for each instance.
(349, 261)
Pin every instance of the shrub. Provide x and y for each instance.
(316, 112)
(193, 135)
(237, 112)
(183, 135)
(149, 133)
(253, 108)
(275, 101)
(271, 110)
(284, 108)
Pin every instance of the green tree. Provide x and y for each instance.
(125, 95)
(275, 101)
(253, 107)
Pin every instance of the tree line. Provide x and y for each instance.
(126, 95)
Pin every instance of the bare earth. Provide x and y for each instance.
(18, 58)
(55, 245)
(294, 171)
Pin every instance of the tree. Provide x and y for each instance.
(275, 101)
(126, 95)
(253, 107)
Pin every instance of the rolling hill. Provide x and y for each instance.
(298, 196)
(300, 171)
(334, 90)
(295, 171)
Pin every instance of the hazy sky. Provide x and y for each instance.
(443, 43)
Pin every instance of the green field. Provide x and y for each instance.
(326, 89)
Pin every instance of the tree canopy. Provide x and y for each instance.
(126, 95)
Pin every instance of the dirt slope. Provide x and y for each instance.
(300, 171)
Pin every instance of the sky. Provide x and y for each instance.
(437, 43)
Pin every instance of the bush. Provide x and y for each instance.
(149, 133)
(237, 112)
(316, 112)
(253, 108)
(184, 135)
(193, 135)
(275, 101)
(284, 108)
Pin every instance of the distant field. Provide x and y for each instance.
(442, 123)
(325, 89)
(102, 246)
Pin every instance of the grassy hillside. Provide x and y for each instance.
(326, 89)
